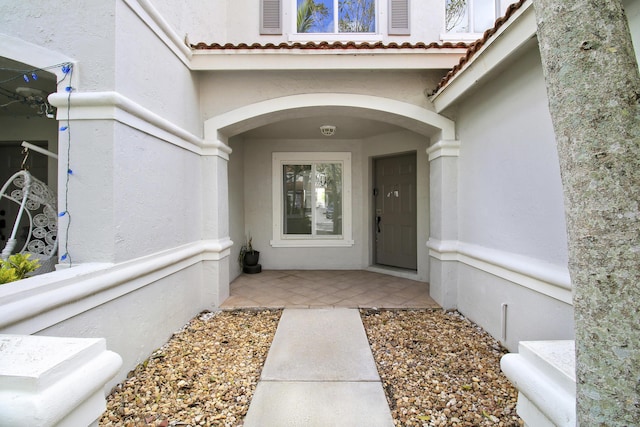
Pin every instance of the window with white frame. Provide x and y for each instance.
(336, 16)
(470, 16)
(355, 18)
(312, 199)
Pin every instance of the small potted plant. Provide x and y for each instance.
(248, 257)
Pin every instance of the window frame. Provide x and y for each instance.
(470, 35)
(336, 20)
(279, 159)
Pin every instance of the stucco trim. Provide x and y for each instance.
(156, 23)
(540, 276)
(409, 116)
(444, 149)
(506, 42)
(33, 304)
(114, 106)
(37, 56)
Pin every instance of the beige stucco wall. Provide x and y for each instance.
(226, 91)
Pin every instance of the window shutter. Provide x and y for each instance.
(399, 17)
(270, 17)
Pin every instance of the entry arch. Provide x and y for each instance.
(220, 128)
(403, 114)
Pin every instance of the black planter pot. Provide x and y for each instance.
(251, 258)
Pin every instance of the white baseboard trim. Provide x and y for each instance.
(540, 276)
(33, 304)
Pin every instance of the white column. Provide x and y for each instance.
(215, 205)
(443, 238)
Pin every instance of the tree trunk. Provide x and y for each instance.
(593, 87)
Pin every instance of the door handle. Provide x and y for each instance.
(379, 218)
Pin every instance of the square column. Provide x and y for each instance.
(215, 214)
(443, 238)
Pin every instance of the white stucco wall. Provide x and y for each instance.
(152, 75)
(510, 190)
(139, 322)
(75, 30)
(250, 181)
(226, 91)
(258, 206)
(195, 19)
(243, 18)
(158, 195)
(510, 209)
(144, 260)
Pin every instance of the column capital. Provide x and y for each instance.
(444, 148)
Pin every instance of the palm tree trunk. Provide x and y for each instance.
(594, 91)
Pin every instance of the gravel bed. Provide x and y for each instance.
(437, 369)
(440, 369)
(204, 376)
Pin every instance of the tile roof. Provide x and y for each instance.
(471, 48)
(478, 44)
(329, 46)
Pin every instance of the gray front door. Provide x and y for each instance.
(395, 211)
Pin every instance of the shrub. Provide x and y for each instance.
(17, 267)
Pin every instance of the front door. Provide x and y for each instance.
(395, 211)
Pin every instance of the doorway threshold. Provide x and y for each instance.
(394, 271)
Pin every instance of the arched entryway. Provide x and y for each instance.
(367, 127)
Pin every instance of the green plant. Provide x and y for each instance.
(17, 267)
(245, 249)
(309, 14)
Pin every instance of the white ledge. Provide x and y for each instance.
(325, 59)
(311, 243)
(150, 16)
(544, 277)
(114, 106)
(544, 374)
(47, 381)
(30, 305)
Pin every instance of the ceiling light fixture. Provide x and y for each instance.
(327, 130)
(34, 98)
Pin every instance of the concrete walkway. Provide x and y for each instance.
(319, 372)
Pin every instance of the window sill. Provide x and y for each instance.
(460, 37)
(311, 243)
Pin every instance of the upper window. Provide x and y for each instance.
(332, 19)
(336, 16)
(470, 16)
(312, 199)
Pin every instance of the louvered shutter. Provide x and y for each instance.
(270, 16)
(399, 17)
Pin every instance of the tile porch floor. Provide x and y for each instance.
(326, 288)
